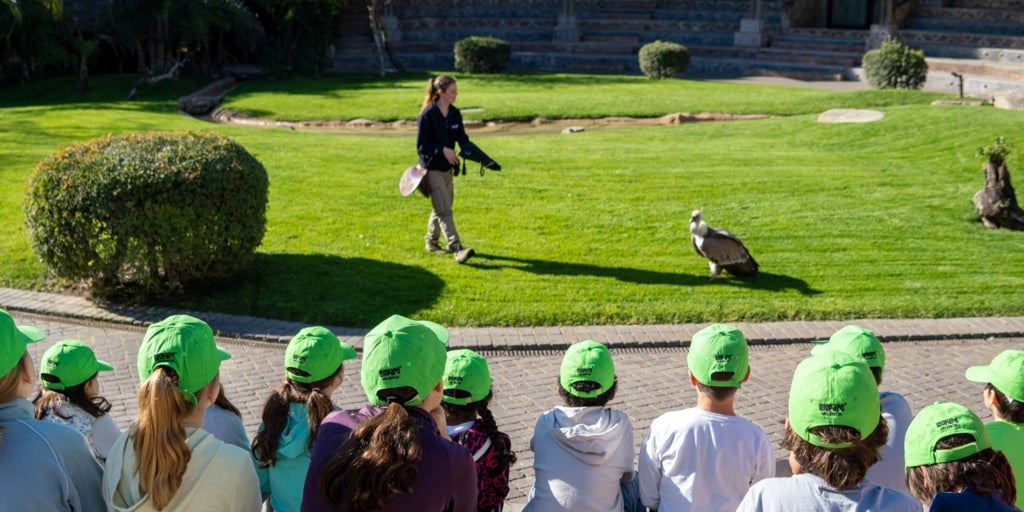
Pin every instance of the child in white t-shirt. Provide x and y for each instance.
(863, 344)
(705, 458)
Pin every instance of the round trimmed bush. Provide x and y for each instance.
(663, 59)
(147, 213)
(894, 65)
(477, 54)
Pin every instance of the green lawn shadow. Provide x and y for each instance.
(320, 289)
(765, 281)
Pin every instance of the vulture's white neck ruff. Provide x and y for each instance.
(699, 228)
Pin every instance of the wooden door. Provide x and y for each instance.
(850, 13)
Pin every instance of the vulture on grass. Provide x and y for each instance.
(721, 248)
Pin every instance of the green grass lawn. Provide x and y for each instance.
(846, 220)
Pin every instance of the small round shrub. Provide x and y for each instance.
(143, 214)
(894, 65)
(477, 54)
(663, 59)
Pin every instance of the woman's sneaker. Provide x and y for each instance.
(433, 247)
(462, 254)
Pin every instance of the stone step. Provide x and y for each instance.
(809, 72)
(1003, 5)
(1009, 28)
(846, 45)
(1010, 72)
(937, 39)
(971, 15)
(824, 58)
(663, 25)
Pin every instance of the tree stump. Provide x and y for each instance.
(997, 202)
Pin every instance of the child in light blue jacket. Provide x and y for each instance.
(293, 412)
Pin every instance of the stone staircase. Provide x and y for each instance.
(605, 37)
(983, 40)
(815, 54)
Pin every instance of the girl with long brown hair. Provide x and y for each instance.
(166, 461)
(393, 455)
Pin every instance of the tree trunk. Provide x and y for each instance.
(997, 202)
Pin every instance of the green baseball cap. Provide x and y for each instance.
(400, 352)
(937, 421)
(587, 361)
(314, 354)
(1005, 372)
(69, 363)
(184, 344)
(467, 371)
(718, 348)
(833, 388)
(439, 330)
(856, 341)
(13, 340)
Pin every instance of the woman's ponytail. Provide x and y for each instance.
(159, 438)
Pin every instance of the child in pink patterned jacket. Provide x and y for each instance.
(467, 392)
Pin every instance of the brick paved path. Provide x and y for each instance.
(652, 374)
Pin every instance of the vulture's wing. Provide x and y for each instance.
(723, 248)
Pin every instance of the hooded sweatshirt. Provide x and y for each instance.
(219, 478)
(44, 466)
(581, 456)
(285, 479)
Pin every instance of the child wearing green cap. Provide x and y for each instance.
(43, 466)
(863, 344)
(705, 458)
(951, 465)
(834, 433)
(394, 454)
(1004, 398)
(69, 371)
(466, 395)
(313, 369)
(166, 461)
(583, 451)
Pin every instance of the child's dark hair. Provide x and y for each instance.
(1009, 410)
(842, 468)
(718, 393)
(49, 398)
(985, 472)
(377, 462)
(490, 427)
(275, 415)
(584, 386)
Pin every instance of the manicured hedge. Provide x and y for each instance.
(476, 54)
(663, 59)
(147, 212)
